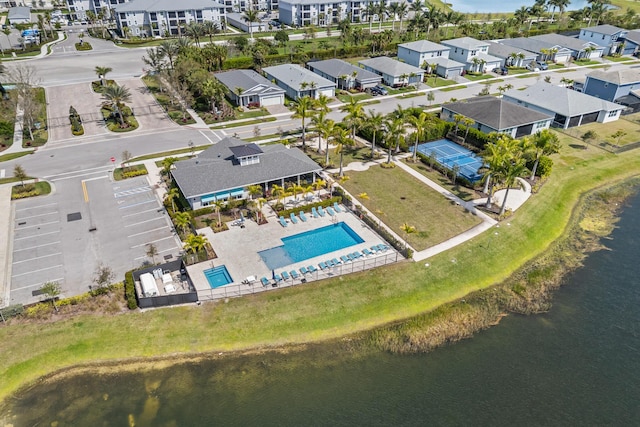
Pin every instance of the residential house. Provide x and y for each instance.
(631, 43)
(568, 107)
(580, 49)
(19, 15)
(225, 170)
(394, 73)
(511, 56)
(298, 82)
(345, 75)
(608, 36)
(474, 54)
(248, 88)
(544, 50)
(152, 18)
(427, 55)
(491, 114)
(611, 85)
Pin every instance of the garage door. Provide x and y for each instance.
(562, 59)
(271, 100)
(327, 92)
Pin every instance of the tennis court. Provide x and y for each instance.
(450, 154)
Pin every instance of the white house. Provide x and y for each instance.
(394, 73)
(427, 55)
(345, 75)
(323, 12)
(298, 82)
(473, 53)
(160, 17)
(607, 36)
(246, 87)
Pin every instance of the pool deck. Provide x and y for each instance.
(237, 249)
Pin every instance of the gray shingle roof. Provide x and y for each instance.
(633, 36)
(337, 67)
(446, 62)
(424, 46)
(216, 169)
(249, 81)
(503, 50)
(604, 29)
(166, 5)
(566, 41)
(19, 12)
(294, 75)
(496, 113)
(389, 66)
(619, 77)
(566, 102)
(245, 150)
(530, 44)
(468, 43)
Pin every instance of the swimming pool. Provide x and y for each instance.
(218, 276)
(309, 244)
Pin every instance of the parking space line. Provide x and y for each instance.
(142, 222)
(131, 192)
(145, 232)
(38, 225)
(37, 284)
(39, 235)
(38, 257)
(153, 241)
(35, 216)
(37, 207)
(136, 204)
(35, 271)
(159, 252)
(141, 212)
(36, 247)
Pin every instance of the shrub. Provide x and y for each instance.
(544, 166)
(130, 291)
(134, 173)
(12, 311)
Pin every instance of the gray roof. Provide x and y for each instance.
(468, 43)
(566, 41)
(530, 44)
(566, 102)
(166, 5)
(19, 12)
(446, 62)
(310, 2)
(633, 36)
(424, 46)
(496, 113)
(245, 150)
(604, 29)
(337, 67)
(618, 77)
(294, 75)
(216, 169)
(389, 66)
(249, 81)
(504, 51)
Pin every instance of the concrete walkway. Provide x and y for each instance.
(6, 225)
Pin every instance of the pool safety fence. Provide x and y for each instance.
(242, 289)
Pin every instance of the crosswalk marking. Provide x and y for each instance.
(131, 192)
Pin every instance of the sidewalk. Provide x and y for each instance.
(6, 224)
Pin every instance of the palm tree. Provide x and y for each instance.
(544, 143)
(402, 11)
(195, 243)
(395, 134)
(170, 50)
(343, 140)
(318, 121)
(116, 96)
(251, 16)
(374, 122)
(218, 205)
(514, 168)
(420, 124)
(171, 196)
(355, 113)
(278, 192)
(182, 220)
(318, 185)
(407, 229)
(467, 122)
(102, 74)
(154, 59)
(303, 109)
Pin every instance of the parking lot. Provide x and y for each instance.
(88, 221)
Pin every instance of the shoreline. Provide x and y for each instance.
(594, 218)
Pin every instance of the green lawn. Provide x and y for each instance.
(12, 156)
(129, 172)
(345, 97)
(439, 82)
(245, 123)
(358, 153)
(397, 198)
(450, 88)
(630, 125)
(619, 58)
(462, 192)
(476, 78)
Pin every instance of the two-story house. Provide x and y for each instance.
(474, 54)
(608, 36)
(511, 56)
(611, 85)
(394, 73)
(431, 57)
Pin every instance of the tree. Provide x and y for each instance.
(103, 276)
(303, 109)
(395, 134)
(514, 168)
(251, 16)
(183, 221)
(195, 243)
(218, 205)
(20, 174)
(126, 158)
(343, 140)
(170, 50)
(155, 59)
(117, 96)
(167, 163)
(543, 143)
(102, 74)
(374, 122)
(355, 114)
(282, 37)
(618, 136)
(171, 196)
(467, 122)
(420, 124)
(407, 229)
(151, 252)
(52, 290)
(431, 97)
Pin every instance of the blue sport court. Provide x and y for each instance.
(450, 154)
(310, 244)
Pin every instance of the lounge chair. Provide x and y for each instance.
(321, 211)
(265, 282)
(330, 263)
(304, 271)
(285, 275)
(303, 217)
(367, 252)
(337, 208)
(283, 222)
(277, 278)
(356, 254)
(383, 247)
(323, 265)
(314, 212)
(330, 211)
(312, 269)
(293, 217)
(294, 274)
(375, 249)
(351, 257)
(335, 261)
(345, 259)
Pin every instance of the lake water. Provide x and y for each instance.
(579, 364)
(485, 6)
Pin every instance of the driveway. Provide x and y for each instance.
(148, 112)
(86, 102)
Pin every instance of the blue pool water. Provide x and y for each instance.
(218, 276)
(450, 154)
(310, 244)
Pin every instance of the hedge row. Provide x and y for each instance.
(307, 208)
(134, 173)
(130, 291)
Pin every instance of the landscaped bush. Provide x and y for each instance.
(83, 46)
(12, 311)
(76, 122)
(134, 173)
(544, 166)
(130, 291)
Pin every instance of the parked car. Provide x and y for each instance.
(381, 90)
(533, 66)
(542, 65)
(503, 71)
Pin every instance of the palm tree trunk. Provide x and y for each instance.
(415, 148)
(389, 155)
(485, 190)
(327, 154)
(341, 172)
(504, 202)
(489, 197)
(373, 146)
(535, 168)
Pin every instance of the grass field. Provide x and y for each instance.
(435, 176)
(396, 197)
